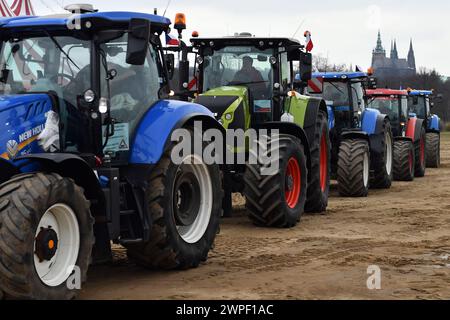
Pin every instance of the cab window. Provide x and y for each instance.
(135, 88)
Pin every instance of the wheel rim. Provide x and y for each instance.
(422, 152)
(293, 183)
(56, 245)
(323, 162)
(193, 199)
(366, 170)
(388, 154)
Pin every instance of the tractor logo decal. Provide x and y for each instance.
(12, 148)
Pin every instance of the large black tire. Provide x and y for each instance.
(404, 160)
(319, 178)
(353, 168)
(167, 249)
(421, 154)
(266, 199)
(433, 150)
(383, 164)
(23, 201)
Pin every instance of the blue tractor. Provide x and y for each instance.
(361, 138)
(420, 103)
(86, 146)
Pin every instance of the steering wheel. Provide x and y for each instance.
(61, 76)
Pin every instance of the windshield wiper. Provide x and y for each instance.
(338, 89)
(61, 49)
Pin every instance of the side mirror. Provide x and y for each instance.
(170, 63)
(305, 66)
(138, 41)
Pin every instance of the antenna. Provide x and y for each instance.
(167, 7)
(298, 29)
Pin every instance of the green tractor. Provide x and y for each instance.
(249, 84)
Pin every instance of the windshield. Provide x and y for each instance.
(417, 105)
(39, 65)
(386, 105)
(335, 94)
(247, 66)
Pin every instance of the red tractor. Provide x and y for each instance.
(409, 133)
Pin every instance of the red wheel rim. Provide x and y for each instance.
(293, 185)
(422, 152)
(323, 162)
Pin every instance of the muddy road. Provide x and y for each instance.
(404, 231)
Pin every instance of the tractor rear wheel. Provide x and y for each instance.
(433, 150)
(46, 230)
(383, 165)
(354, 168)
(319, 181)
(277, 200)
(185, 201)
(404, 160)
(421, 154)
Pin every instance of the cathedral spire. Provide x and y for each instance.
(379, 48)
(411, 56)
(394, 54)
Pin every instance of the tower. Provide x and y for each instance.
(411, 57)
(22, 8)
(394, 55)
(379, 48)
(378, 54)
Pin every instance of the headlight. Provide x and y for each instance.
(89, 96)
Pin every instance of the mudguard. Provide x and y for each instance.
(153, 134)
(293, 130)
(67, 165)
(312, 110)
(414, 128)
(377, 137)
(7, 170)
(434, 124)
(370, 120)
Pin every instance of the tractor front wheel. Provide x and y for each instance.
(185, 201)
(277, 199)
(319, 182)
(421, 154)
(433, 150)
(404, 161)
(383, 164)
(46, 236)
(354, 168)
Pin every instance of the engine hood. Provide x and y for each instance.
(11, 101)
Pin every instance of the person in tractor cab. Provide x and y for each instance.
(250, 76)
(248, 73)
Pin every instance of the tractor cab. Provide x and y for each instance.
(257, 72)
(393, 103)
(99, 72)
(420, 103)
(344, 95)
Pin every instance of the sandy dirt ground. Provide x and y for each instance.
(404, 231)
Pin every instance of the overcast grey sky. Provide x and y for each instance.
(344, 30)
